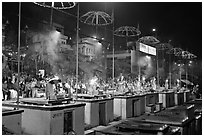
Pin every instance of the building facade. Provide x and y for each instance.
(90, 47)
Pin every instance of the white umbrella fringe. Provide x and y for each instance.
(127, 31)
(57, 5)
(149, 40)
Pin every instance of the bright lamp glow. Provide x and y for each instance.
(94, 37)
(154, 29)
(93, 81)
(99, 43)
(148, 57)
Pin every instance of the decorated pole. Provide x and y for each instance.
(113, 71)
(51, 15)
(77, 56)
(170, 75)
(19, 37)
(98, 18)
(157, 56)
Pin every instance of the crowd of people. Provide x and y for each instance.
(31, 87)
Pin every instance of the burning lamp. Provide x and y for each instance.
(93, 81)
(154, 30)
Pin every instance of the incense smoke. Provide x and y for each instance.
(146, 66)
(48, 48)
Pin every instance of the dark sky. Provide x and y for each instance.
(179, 22)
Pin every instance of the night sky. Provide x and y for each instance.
(179, 22)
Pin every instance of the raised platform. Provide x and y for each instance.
(6, 112)
(42, 119)
(11, 121)
(47, 102)
(98, 110)
(87, 96)
(132, 127)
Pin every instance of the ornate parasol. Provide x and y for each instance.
(174, 51)
(190, 56)
(163, 46)
(57, 5)
(98, 18)
(127, 31)
(186, 55)
(149, 40)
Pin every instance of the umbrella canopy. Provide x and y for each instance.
(191, 56)
(127, 31)
(163, 46)
(149, 40)
(182, 53)
(97, 18)
(186, 55)
(57, 5)
(174, 51)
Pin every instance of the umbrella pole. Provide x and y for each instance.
(113, 47)
(170, 71)
(186, 70)
(77, 56)
(139, 69)
(19, 37)
(51, 14)
(157, 67)
(180, 74)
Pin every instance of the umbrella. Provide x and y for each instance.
(174, 51)
(163, 46)
(189, 55)
(98, 18)
(182, 54)
(57, 5)
(127, 31)
(149, 40)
